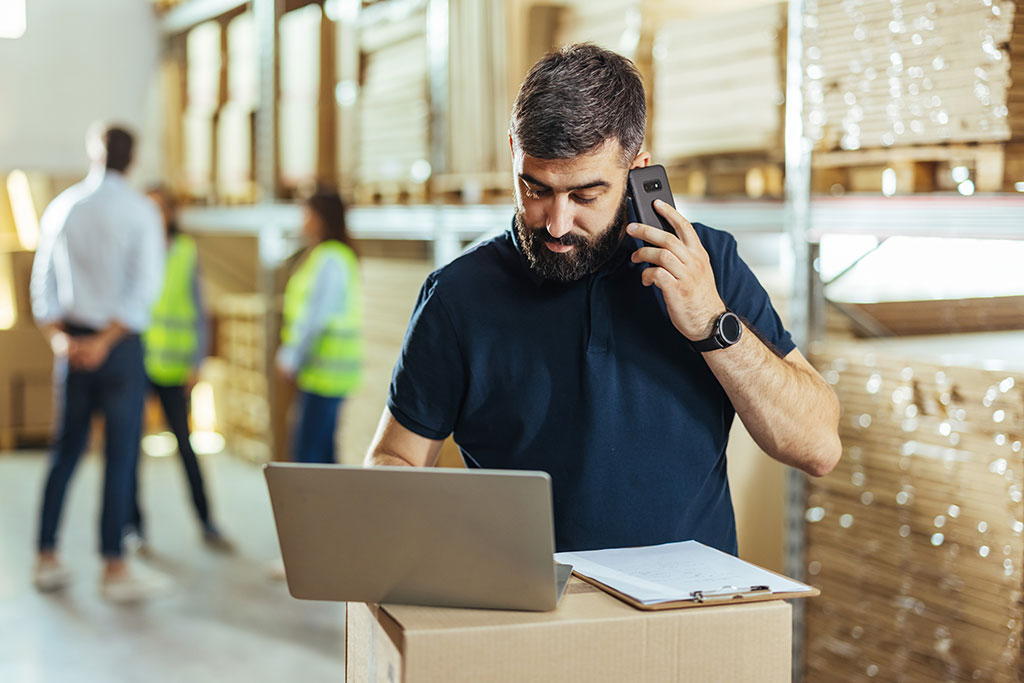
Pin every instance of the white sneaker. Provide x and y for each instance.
(51, 576)
(135, 584)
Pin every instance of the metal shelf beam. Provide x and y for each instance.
(188, 14)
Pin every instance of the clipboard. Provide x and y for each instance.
(679, 575)
(706, 598)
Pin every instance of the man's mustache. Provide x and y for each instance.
(568, 239)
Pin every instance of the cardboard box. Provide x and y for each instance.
(26, 394)
(591, 637)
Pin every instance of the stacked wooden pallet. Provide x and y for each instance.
(242, 342)
(235, 120)
(299, 107)
(394, 107)
(717, 114)
(938, 316)
(390, 287)
(917, 75)
(613, 24)
(202, 99)
(915, 540)
(479, 101)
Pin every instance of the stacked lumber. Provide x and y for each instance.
(479, 101)
(394, 105)
(915, 539)
(390, 287)
(202, 99)
(245, 341)
(916, 73)
(300, 73)
(613, 24)
(719, 84)
(235, 122)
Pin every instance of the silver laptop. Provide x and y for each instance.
(417, 536)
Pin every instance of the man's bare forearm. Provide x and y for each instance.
(789, 410)
(395, 446)
(382, 459)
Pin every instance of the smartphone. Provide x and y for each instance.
(644, 186)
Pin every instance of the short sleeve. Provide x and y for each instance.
(429, 380)
(743, 294)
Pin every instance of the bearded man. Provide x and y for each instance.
(610, 354)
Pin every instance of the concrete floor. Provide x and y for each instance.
(225, 620)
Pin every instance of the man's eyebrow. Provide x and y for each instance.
(586, 186)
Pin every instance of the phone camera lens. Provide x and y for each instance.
(652, 186)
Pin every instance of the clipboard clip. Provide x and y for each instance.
(727, 593)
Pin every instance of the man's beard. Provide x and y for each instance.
(584, 258)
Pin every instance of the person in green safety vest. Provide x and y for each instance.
(321, 339)
(175, 344)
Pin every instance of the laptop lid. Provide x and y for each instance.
(421, 536)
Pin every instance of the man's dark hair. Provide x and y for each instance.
(119, 144)
(576, 98)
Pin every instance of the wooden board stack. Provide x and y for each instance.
(202, 99)
(235, 120)
(242, 341)
(718, 113)
(915, 539)
(390, 287)
(394, 107)
(254, 404)
(479, 101)
(298, 137)
(887, 76)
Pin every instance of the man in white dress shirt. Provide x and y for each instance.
(97, 272)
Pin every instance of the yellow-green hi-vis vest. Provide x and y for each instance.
(171, 339)
(333, 363)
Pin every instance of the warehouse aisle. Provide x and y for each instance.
(225, 620)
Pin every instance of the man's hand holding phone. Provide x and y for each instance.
(681, 269)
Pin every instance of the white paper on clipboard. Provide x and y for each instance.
(675, 571)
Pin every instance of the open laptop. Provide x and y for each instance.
(417, 536)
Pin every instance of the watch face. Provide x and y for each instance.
(730, 327)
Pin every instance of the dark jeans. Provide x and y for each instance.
(174, 401)
(115, 389)
(318, 419)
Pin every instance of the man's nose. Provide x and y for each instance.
(560, 217)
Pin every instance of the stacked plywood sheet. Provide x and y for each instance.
(479, 100)
(915, 72)
(298, 128)
(719, 83)
(915, 539)
(390, 287)
(203, 95)
(394, 111)
(613, 24)
(235, 121)
(245, 341)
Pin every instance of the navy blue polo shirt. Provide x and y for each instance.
(588, 381)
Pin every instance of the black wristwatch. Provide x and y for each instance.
(727, 331)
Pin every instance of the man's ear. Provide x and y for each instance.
(642, 160)
(512, 147)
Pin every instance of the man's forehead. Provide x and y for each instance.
(605, 160)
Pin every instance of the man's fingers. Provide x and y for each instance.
(656, 276)
(684, 230)
(660, 257)
(658, 238)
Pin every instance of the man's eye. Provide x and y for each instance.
(583, 200)
(533, 193)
